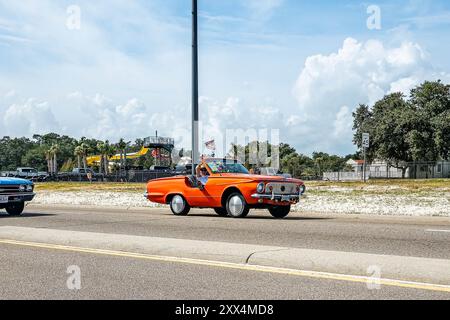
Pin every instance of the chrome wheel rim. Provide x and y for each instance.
(236, 206)
(178, 204)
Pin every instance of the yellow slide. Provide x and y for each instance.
(96, 159)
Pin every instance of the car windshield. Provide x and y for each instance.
(226, 166)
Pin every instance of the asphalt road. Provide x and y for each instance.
(41, 272)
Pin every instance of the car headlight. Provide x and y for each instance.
(260, 188)
(22, 188)
(29, 188)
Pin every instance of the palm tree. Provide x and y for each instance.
(54, 152)
(122, 145)
(102, 147)
(79, 154)
(85, 147)
(48, 157)
(110, 152)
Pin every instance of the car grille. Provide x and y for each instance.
(9, 189)
(281, 188)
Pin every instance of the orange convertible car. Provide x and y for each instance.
(227, 187)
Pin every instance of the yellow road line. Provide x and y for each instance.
(236, 266)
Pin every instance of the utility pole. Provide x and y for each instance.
(364, 165)
(195, 115)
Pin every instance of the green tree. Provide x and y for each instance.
(79, 153)
(403, 130)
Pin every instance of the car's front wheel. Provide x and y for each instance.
(15, 209)
(179, 206)
(236, 206)
(280, 212)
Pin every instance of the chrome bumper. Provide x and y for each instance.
(277, 197)
(18, 197)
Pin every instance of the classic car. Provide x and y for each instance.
(14, 192)
(227, 187)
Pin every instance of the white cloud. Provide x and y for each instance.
(28, 118)
(360, 72)
(263, 8)
(343, 123)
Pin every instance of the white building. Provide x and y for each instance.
(381, 170)
(377, 169)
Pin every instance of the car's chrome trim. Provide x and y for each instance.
(278, 197)
(18, 194)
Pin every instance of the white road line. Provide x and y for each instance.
(436, 230)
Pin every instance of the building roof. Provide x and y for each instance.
(355, 162)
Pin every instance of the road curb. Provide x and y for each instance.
(436, 271)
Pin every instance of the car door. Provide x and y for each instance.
(206, 197)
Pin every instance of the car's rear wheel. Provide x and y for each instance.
(179, 206)
(280, 212)
(15, 209)
(236, 206)
(221, 212)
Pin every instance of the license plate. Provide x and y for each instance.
(285, 198)
(4, 199)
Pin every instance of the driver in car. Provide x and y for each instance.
(202, 175)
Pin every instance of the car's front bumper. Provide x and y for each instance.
(17, 197)
(277, 197)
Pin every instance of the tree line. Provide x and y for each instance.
(404, 129)
(55, 153)
(290, 160)
(60, 153)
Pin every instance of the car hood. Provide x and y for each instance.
(261, 178)
(240, 177)
(14, 181)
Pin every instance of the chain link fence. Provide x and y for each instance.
(412, 170)
(137, 176)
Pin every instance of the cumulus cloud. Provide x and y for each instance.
(99, 116)
(331, 86)
(27, 118)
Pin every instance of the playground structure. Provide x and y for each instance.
(156, 144)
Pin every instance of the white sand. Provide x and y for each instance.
(323, 200)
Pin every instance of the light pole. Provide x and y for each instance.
(195, 116)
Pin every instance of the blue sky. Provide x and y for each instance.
(297, 66)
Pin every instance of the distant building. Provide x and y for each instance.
(377, 169)
(381, 170)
